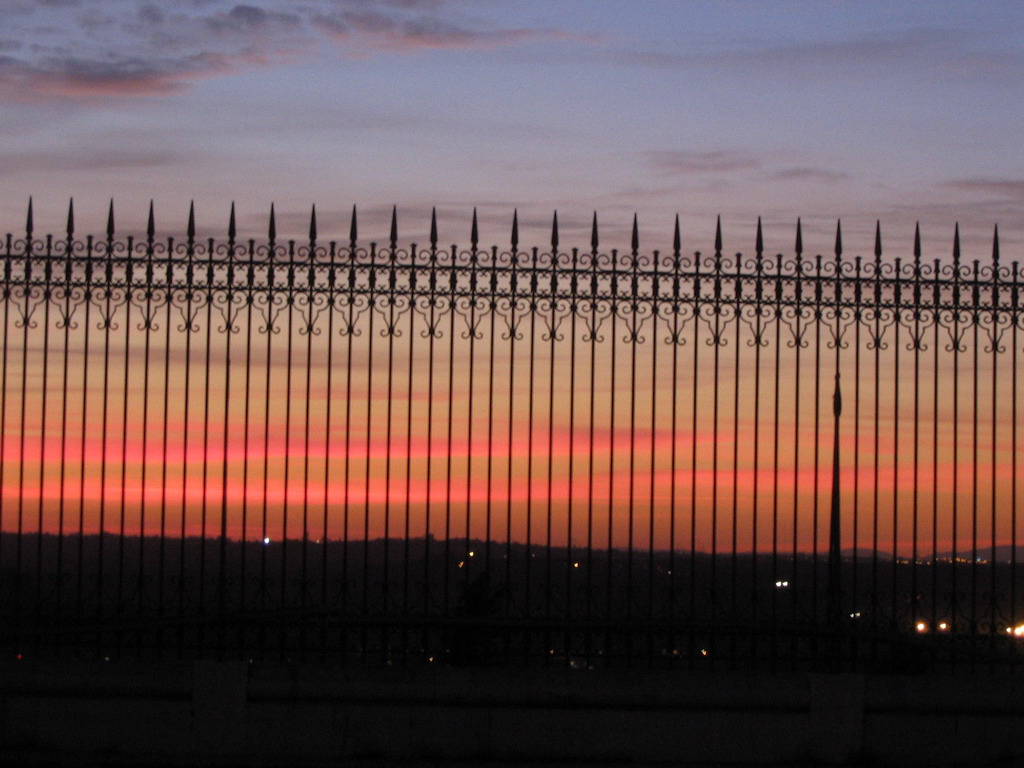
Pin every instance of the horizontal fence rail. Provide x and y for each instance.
(243, 448)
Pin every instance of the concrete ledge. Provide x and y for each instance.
(238, 712)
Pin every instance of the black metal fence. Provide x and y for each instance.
(570, 456)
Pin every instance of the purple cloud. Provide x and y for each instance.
(807, 173)
(1012, 188)
(681, 161)
(117, 48)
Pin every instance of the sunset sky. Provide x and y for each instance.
(901, 112)
(867, 110)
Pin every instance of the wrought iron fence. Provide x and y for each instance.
(292, 449)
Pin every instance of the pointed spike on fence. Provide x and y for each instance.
(878, 238)
(312, 224)
(956, 242)
(917, 240)
(635, 240)
(799, 247)
(71, 217)
(839, 238)
(28, 218)
(759, 239)
(232, 229)
(677, 241)
(594, 239)
(433, 227)
(474, 231)
(554, 231)
(191, 232)
(515, 230)
(272, 226)
(394, 227)
(110, 219)
(995, 245)
(718, 234)
(353, 230)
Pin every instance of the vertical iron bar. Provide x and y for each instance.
(45, 387)
(651, 564)
(243, 630)
(613, 368)
(309, 323)
(734, 543)
(346, 490)
(512, 331)
(776, 400)
(691, 644)
(975, 322)
(529, 455)
(62, 501)
(7, 297)
(408, 457)
(148, 329)
(548, 649)
(229, 330)
(325, 550)
(755, 586)
(388, 433)
(26, 320)
(428, 539)
(365, 610)
(816, 490)
(569, 614)
(449, 438)
(895, 564)
(289, 356)
(631, 507)
(677, 340)
(592, 375)
(86, 323)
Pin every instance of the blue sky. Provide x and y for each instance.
(896, 111)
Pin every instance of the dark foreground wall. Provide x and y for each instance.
(239, 713)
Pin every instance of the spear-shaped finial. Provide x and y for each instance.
(995, 246)
(312, 225)
(394, 228)
(232, 229)
(191, 231)
(151, 223)
(917, 241)
(272, 226)
(554, 232)
(759, 239)
(677, 241)
(956, 243)
(110, 219)
(839, 238)
(353, 231)
(635, 240)
(71, 218)
(878, 239)
(474, 231)
(515, 230)
(718, 235)
(799, 247)
(594, 240)
(28, 218)
(433, 227)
